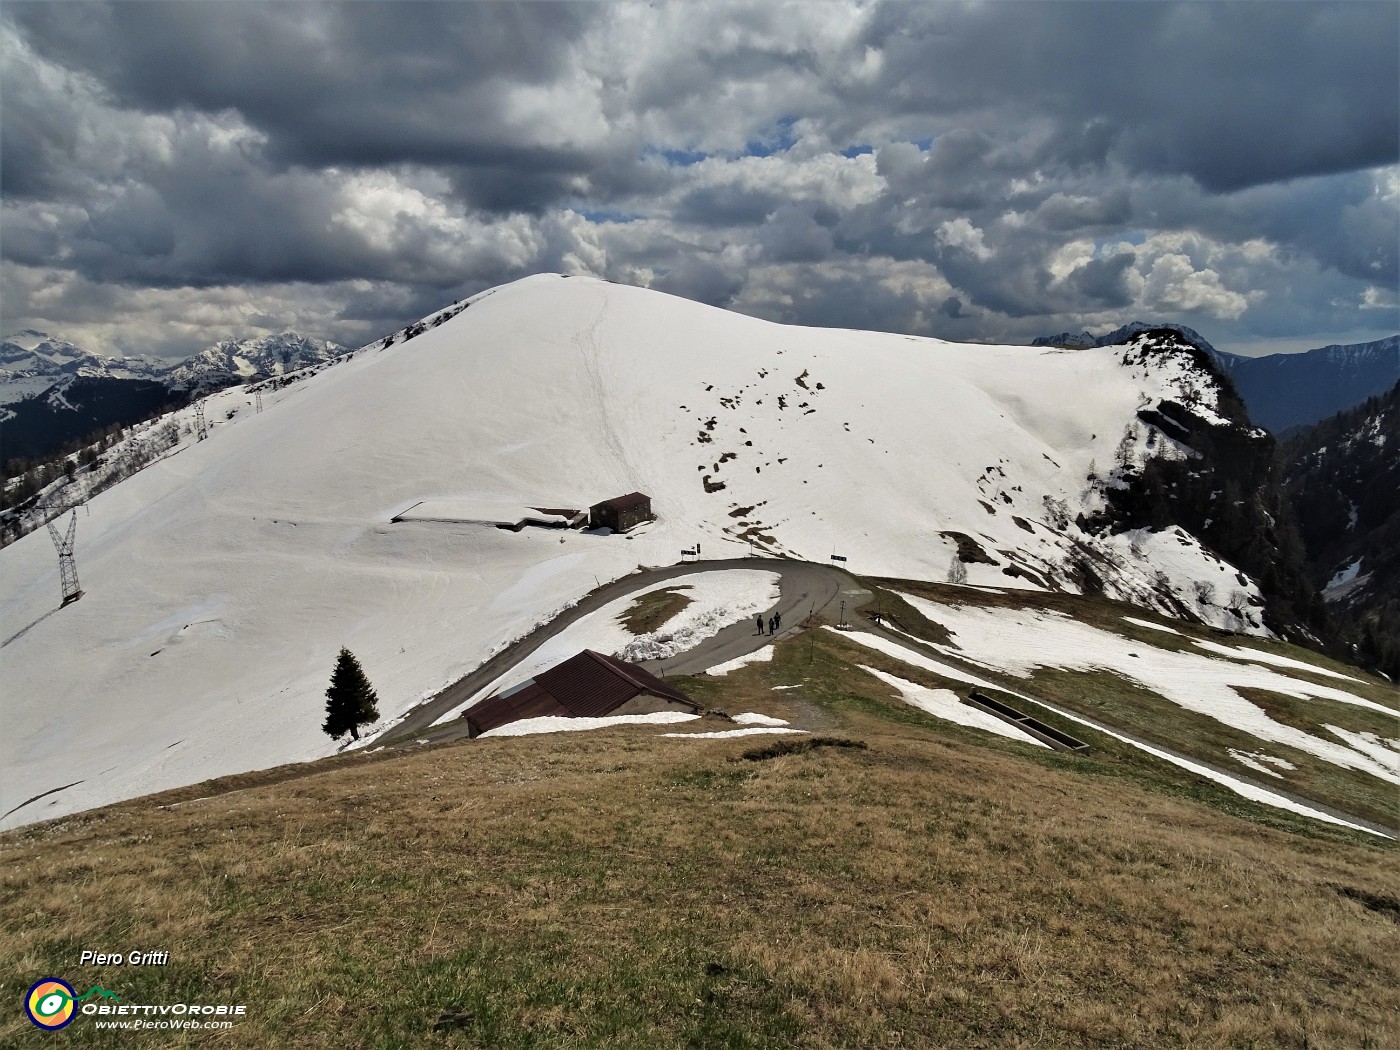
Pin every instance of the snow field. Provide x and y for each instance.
(1259, 656)
(1239, 787)
(1018, 641)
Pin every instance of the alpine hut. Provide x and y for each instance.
(589, 685)
(621, 512)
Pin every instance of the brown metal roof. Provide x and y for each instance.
(632, 499)
(588, 685)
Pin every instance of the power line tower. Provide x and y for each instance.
(258, 394)
(67, 570)
(199, 423)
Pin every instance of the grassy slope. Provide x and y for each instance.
(1127, 706)
(618, 888)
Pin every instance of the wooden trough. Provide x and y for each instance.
(1034, 726)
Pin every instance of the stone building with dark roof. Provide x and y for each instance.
(621, 513)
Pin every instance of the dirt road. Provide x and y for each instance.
(804, 588)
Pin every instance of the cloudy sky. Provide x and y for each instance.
(178, 173)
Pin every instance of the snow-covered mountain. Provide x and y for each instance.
(1119, 336)
(53, 392)
(235, 360)
(33, 363)
(221, 580)
(1282, 391)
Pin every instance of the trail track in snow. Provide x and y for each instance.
(586, 342)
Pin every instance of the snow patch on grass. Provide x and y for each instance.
(724, 734)
(761, 656)
(717, 599)
(1018, 641)
(1259, 656)
(753, 718)
(565, 724)
(1150, 625)
(1245, 790)
(945, 704)
(1386, 752)
(1255, 760)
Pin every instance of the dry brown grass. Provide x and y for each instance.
(621, 889)
(654, 609)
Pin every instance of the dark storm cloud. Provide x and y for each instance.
(1231, 94)
(793, 234)
(315, 71)
(1103, 282)
(373, 160)
(361, 85)
(704, 280)
(1061, 211)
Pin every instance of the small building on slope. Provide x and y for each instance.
(589, 685)
(621, 512)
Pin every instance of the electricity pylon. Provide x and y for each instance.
(67, 570)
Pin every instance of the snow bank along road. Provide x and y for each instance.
(804, 588)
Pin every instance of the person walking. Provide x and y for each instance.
(777, 619)
(773, 625)
(760, 623)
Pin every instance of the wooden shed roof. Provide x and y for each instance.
(632, 499)
(588, 685)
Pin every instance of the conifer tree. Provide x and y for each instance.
(350, 701)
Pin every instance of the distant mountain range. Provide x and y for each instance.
(33, 362)
(1283, 391)
(53, 392)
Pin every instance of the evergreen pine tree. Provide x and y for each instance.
(350, 701)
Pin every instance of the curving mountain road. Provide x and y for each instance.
(804, 589)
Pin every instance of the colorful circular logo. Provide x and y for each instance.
(49, 1003)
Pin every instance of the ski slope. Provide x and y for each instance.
(222, 580)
